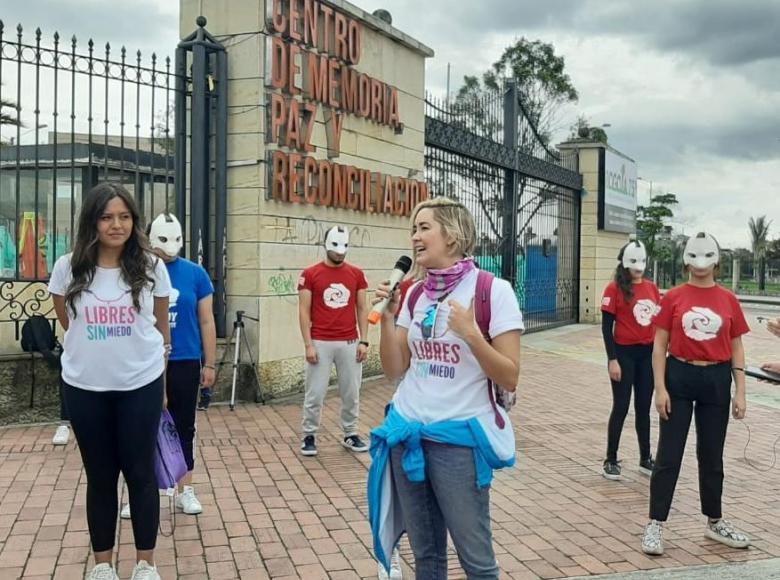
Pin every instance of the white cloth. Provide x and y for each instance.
(444, 380)
(109, 345)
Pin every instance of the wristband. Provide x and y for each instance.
(737, 369)
(363, 342)
(212, 367)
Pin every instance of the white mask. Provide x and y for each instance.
(701, 252)
(635, 257)
(165, 234)
(337, 240)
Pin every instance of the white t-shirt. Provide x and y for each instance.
(109, 345)
(444, 380)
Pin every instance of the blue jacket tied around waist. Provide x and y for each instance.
(384, 510)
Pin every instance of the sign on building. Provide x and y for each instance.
(617, 193)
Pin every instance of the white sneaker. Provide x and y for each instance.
(102, 572)
(143, 571)
(61, 435)
(652, 540)
(187, 502)
(395, 568)
(125, 513)
(722, 531)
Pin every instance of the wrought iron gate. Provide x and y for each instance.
(110, 115)
(525, 199)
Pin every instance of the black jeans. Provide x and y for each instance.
(183, 383)
(703, 392)
(636, 365)
(117, 430)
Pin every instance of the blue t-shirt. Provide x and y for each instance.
(190, 285)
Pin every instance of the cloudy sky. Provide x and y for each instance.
(691, 88)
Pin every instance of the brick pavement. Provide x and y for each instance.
(270, 513)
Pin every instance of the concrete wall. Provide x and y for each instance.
(270, 242)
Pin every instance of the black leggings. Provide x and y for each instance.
(183, 380)
(706, 393)
(117, 430)
(636, 366)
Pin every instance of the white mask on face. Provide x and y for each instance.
(165, 235)
(701, 252)
(337, 240)
(635, 257)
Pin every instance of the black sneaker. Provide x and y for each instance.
(309, 447)
(205, 399)
(611, 470)
(646, 466)
(355, 443)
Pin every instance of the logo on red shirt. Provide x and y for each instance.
(336, 296)
(644, 311)
(701, 324)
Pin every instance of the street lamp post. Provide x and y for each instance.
(36, 129)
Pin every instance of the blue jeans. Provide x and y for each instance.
(448, 500)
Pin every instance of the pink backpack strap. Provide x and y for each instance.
(482, 313)
(413, 296)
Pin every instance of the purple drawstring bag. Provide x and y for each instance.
(169, 464)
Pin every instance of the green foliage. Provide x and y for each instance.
(759, 232)
(652, 224)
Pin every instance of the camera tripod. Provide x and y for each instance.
(236, 339)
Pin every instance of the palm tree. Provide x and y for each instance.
(9, 118)
(759, 232)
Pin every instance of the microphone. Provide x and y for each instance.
(402, 266)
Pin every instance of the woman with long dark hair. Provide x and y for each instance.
(698, 350)
(111, 297)
(627, 309)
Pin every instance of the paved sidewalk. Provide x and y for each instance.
(270, 513)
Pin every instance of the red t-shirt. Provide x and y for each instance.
(633, 319)
(333, 299)
(701, 322)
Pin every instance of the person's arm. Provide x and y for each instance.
(362, 321)
(161, 317)
(60, 310)
(739, 405)
(208, 338)
(304, 320)
(663, 403)
(500, 358)
(607, 332)
(394, 351)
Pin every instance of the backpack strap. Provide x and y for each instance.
(413, 296)
(482, 314)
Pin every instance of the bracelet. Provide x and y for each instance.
(364, 342)
(212, 367)
(737, 369)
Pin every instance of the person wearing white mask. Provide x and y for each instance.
(333, 317)
(629, 304)
(194, 346)
(698, 350)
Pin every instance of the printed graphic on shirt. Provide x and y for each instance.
(172, 314)
(606, 301)
(109, 320)
(701, 324)
(644, 311)
(435, 359)
(336, 296)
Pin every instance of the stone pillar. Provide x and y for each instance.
(271, 240)
(598, 249)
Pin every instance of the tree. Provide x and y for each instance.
(652, 220)
(543, 88)
(773, 250)
(759, 232)
(7, 117)
(542, 82)
(165, 142)
(581, 129)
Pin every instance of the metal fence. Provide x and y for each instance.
(525, 198)
(108, 116)
(753, 276)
